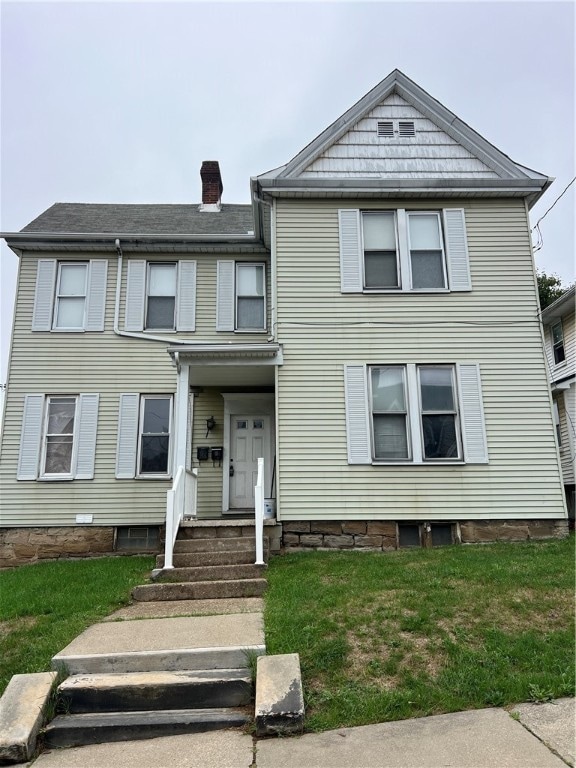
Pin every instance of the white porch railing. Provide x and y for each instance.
(180, 501)
(259, 514)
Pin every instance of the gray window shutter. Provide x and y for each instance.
(127, 436)
(186, 293)
(87, 424)
(457, 250)
(357, 416)
(31, 437)
(135, 295)
(350, 251)
(44, 296)
(472, 414)
(225, 296)
(96, 298)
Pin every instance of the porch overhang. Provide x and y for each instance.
(228, 364)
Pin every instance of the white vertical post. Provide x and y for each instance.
(259, 514)
(169, 535)
(181, 419)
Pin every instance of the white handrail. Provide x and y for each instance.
(259, 514)
(176, 499)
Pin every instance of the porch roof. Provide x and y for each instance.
(225, 364)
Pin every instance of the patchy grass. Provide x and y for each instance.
(385, 636)
(44, 606)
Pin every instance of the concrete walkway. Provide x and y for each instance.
(486, 738)
(530, 736)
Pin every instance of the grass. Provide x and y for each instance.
(44, 606)
(386, 636)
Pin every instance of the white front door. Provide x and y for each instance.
(249, 437)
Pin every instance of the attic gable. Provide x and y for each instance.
(396, 140)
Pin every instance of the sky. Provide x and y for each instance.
(121, 102)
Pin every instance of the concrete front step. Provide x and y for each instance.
(233, 544)
(197, 559)
(199, 590)
(212, 573)
(141, 691)
(78, 730)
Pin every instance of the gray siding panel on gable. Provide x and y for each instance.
(495, 325)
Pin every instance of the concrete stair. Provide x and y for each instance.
(212, 560)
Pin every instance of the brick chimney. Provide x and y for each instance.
(212, 187)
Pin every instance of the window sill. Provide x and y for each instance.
(160, 330)
(405, 291)
(55, 478)
(68, 330)
(250, 330)
(153, 477)
(437, 463)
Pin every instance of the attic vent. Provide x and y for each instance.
(386, 128)
(406, 129)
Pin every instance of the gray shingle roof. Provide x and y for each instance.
(91, 218)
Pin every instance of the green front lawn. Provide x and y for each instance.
(386, 636)
(43, 607)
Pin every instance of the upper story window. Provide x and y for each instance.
(558, 343)
(240, 296)
(402, 250)
(161, 296)
(70, 296)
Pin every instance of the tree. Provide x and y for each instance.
(550, 288)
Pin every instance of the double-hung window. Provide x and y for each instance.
(71, 296)
(381, 269)
(144, 436)
(58, 440)
(240, 296)
(558, 343)
(403, 250)
(414, 414)
(161, 297)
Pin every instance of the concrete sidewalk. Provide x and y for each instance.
(487, 738)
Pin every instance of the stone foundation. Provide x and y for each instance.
(28, 545)
(383, 535)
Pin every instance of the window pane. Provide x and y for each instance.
(58, 455)
(559, 355)
(250, 280)
(390, 440)
(379, 232)
(156, 415)
(427, 269)
(61, 416)
(388, 389)
(250, 313)
(436, 389)
(72, 280)
(557, 333)
(440, 437)
(70, 313)
(162, 280)
(380, 270)
(154, 456)
(160, 312)
(424, 233)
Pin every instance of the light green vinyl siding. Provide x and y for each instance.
(107, 364)
(495, 325)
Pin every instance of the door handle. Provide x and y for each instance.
(231, 470)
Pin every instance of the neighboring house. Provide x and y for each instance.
(368, 326)
(560, 342)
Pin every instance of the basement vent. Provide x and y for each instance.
(406, 128)
(386, 128)
(137, 538)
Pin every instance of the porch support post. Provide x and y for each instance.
(181, 418)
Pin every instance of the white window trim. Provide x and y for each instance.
(438, 216)
(562, 362)
(237, 265)
(150, 328)
(399, 269)
(149, 475)
(408, 459)
(51, 476)
(57, 297)
(415, 435)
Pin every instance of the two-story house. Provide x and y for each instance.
(368, 326)
(560, 341)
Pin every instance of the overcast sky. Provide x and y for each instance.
(121, 102)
